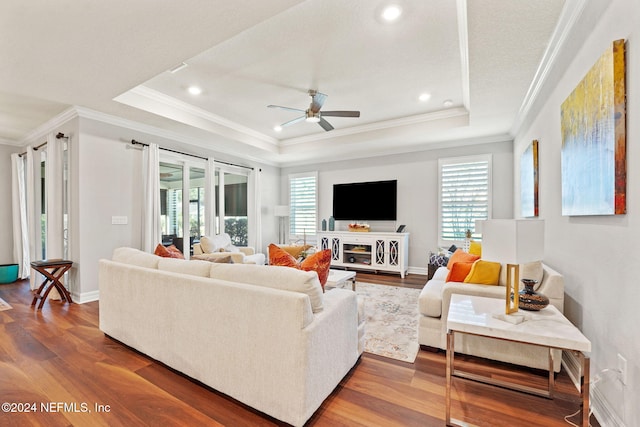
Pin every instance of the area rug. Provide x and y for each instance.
(392, 320)
(4, 305)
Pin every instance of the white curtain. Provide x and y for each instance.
(151, 235)
(19, 211)
(32, 179)
(210, 198)
(257, 208)
(54, 181)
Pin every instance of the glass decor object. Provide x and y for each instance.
(530, 299)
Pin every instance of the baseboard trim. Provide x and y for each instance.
(418, 270)
(602, 410)
(85, 297)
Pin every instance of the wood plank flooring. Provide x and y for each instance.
(59, 360)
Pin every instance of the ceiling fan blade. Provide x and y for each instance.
(317, 99)
(341, 113)
(325, 124)
(285, 108)
(294, 121)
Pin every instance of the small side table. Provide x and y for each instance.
(53, 270)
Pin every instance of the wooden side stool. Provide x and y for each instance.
(53, 270)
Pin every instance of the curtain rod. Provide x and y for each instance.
(134, 142)
(59, 135)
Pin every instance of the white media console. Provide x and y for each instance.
(368, 251)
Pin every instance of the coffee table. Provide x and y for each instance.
(337, 278)
(547, 328)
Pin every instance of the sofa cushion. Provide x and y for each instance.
(137, 257)
(484, 273)
(284, 278)
(461, 256)
(532, 270)
(191, 267)
(459, 271)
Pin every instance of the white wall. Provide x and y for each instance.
(598, 255)
(417, 175)
(107, 181)
(6, 228)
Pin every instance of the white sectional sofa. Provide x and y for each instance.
(267, 336)
(433, 305)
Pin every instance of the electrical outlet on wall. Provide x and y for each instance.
(622, 367)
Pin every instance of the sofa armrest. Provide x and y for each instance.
(197, 249)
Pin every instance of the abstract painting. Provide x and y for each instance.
(593, 155)
(529, 181)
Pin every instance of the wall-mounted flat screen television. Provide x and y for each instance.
(365, 201)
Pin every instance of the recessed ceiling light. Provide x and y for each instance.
(447, 103)
(391, 12)
(277, 128)
(424, 97)
(194, 90)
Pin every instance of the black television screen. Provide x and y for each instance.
(365, 201)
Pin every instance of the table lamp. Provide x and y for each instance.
(281, 211)
(512, 242)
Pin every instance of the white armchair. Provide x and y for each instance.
(219, 247)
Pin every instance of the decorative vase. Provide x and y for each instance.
(530, 299)
(324, 225)
(332, 224)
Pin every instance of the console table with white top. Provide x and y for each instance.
(547, 328)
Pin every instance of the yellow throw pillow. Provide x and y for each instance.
(484, 273)
(475, 248)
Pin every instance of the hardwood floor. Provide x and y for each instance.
(60, 366)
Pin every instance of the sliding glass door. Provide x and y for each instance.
(231, 193)
(180, 177)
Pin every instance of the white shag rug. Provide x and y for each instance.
(392, 320)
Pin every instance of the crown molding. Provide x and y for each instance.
(162, 133)
(144, 95)
(50, 126)
(377, 126)
(571, 13)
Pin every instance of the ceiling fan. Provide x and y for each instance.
(313, 113)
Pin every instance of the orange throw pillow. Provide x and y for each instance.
(459, 271)
(168, 252)
(318, 262)
(461, 256)
(278, 256)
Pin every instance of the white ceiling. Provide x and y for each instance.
(112, 57)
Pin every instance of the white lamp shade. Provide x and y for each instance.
(281, 210)
(513, 241)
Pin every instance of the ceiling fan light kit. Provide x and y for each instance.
(313, 113)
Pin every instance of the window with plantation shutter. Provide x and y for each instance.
(303, 205)
(465, 195)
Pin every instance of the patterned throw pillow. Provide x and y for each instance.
(318, 262)
(168, 252)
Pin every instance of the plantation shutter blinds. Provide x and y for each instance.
(465, 188)
(303, 205)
